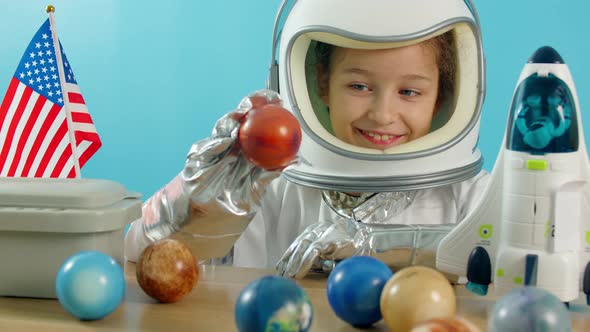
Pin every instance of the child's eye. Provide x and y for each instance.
(359, 87)
(408, 92)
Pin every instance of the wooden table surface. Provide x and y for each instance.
(210, 307)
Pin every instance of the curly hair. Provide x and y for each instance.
(445, 52)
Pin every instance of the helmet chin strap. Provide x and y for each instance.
(369, 208)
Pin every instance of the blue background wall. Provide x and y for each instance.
(157, 74)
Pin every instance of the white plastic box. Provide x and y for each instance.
(45, 221)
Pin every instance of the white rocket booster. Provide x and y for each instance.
(532, 225)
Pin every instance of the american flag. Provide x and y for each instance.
(34, 133)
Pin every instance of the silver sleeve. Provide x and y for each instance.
(212, 200)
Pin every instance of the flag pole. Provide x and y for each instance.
(62, 80)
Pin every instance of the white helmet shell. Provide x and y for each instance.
(446, 155)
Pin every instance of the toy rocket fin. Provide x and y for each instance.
(479, 228)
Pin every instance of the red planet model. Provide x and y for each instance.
(269, 136)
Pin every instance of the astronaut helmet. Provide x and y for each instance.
(370, 149)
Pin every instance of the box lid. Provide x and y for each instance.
(66, 205)
(60, 193)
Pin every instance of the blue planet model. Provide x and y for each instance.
(273, 303)
(90, 285)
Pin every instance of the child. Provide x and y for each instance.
(388, 160)
(382, 98)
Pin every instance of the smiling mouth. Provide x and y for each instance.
(380, 139)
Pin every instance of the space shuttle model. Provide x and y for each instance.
(532, 224)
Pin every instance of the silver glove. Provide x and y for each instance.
(322, 245)
(210, 203)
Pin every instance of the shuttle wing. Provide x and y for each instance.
(479, 228)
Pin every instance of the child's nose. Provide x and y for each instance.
(384, 110)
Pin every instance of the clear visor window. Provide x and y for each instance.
(543, 117)
(382, 98)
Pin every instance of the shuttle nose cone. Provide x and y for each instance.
(546, 54)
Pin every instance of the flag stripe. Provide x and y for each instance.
(72, 173)
(12, 87)
(34, 157)
(81, 117)
(6, 144)
(10, 113)
(87, 140)
(52, 146)
(88, 152)
(75, 98)
(78, 108)
(32, 115)
(80, 150)
(48, 130)
(28, 148)
(86, 136)
(63, 159)
(7, 119)
(60, 148)
(84, 127)
(68, 169)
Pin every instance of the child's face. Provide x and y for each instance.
(381, 98)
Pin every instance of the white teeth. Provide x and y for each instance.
(379, 137)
